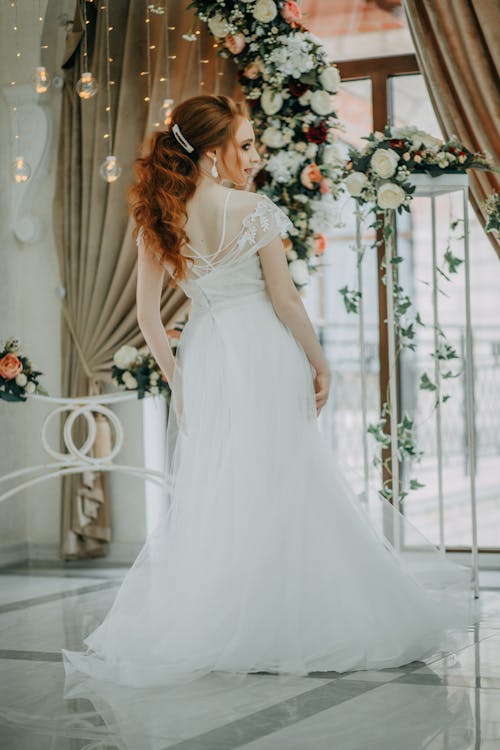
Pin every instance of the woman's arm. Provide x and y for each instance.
(150, 275)
(290, 309)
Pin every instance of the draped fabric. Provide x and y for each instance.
(458, 49)
(96, 252)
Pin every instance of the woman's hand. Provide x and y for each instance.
(321, 388)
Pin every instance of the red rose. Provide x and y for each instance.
(397, 143)
(262, 178)
(317, 134)
(297, 88)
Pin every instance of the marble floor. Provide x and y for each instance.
(447, 702)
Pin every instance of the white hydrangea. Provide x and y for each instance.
(325, 216)
(292, 55)
(284, 165)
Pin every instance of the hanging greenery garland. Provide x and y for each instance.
(379, 178)
(290, 86)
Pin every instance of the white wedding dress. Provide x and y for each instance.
(263, 559)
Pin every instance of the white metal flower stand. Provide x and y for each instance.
(76, 459)
(428, 187)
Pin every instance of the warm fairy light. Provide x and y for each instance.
(20, 169)
(109, 170)
(167, 106)
(41, 80)
(86, 86)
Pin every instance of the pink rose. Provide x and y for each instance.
(324, 186)
(291, 12)
(10, 366)
(309, 175)
(235, 43)
(252, 71)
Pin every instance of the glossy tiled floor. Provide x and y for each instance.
(447, 702)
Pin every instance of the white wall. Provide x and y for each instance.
(29, 305)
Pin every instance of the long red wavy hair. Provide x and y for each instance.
(166, 175)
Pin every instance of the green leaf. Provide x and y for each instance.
(415, 484)
(426, 384)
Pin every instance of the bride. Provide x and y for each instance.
(262, 559)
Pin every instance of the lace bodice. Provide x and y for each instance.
(233, 269)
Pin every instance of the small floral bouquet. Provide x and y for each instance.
(139, 371)
(380, 172)
(492, 208)
(18, 376)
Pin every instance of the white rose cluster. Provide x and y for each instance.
(129, 380)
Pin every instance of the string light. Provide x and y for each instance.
(41, 78)
(168, 103)
(86, 86)
(20, 169)
(109, 170)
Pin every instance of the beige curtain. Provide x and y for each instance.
(458, 48)
(97, 256)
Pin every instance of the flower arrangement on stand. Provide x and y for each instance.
(379, 178)
(290, 85)
(18, 376)
(139, 371)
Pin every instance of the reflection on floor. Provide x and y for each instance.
(447, 702)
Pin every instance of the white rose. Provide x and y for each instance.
(355, 183)
(21, 379)
(129, 380)
(321, 102)
(274, 138)
(299, 271)
(218, 26)
(330, 79)
(125, 356)
(153, 378)
(154, 390)
(305, 98)
(390, 195)
(30, 387)
(291, 254)
(271, 101)
(384, 162)
(265, 10)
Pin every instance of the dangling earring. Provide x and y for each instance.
(214, 171)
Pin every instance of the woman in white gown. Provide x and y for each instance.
(262, 559)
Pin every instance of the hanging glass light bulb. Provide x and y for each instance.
(21, 170)
(86, 86)
(166, 111)
(110, 170)
(41, 79)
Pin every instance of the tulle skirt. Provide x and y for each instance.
(263, 558)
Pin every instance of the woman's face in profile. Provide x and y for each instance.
(241, 160)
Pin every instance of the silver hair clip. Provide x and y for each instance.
(180, 138)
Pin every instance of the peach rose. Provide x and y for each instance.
(173, 333)
(235, 43)
(287, 244)
(10, 366)
(252, 71)
(310, 174)
(291, 12)
(319, 243)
